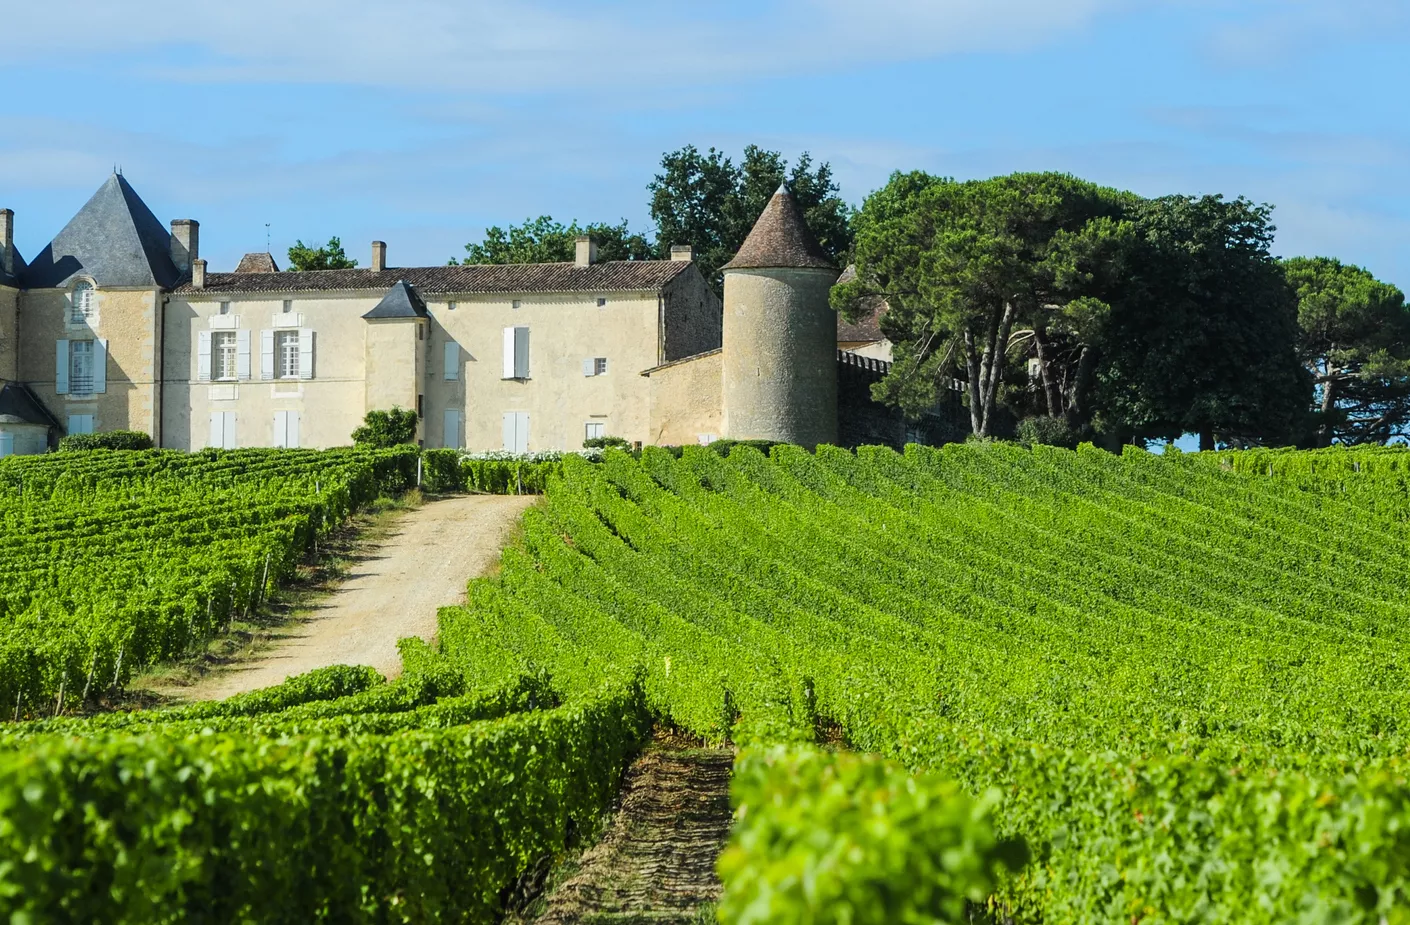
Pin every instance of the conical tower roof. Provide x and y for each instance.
(780, 239)
(114, 238)
(401, 301)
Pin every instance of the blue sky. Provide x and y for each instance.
(423, 122)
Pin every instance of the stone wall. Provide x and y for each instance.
(686, 402)
(691, 317)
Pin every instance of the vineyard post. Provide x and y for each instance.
(59, 704)
(264, 582)
(117, 669)
(418, 472)
(88, 682)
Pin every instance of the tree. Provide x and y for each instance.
(330, 256)
(1354, 339)
(972, 272)
(1202, 333)
(709, 202)
(383, 429)
(542, 240)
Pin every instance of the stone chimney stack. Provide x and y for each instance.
(198, 274)
(682, 252)
(7, 241)
(586, 254)
(379, 256)
(185, 242)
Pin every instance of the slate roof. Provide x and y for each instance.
(401, 302)
(867, 328)
(114, 238)
(19, 406)
(780, 239)
(609, 276)
(257, 263)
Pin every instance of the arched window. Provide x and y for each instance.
(82, 308)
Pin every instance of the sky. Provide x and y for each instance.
(423, 122)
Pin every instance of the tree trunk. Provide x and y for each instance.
(971, 360)
(1329, 404)
(1051, 391)
(1077, 411)
(1206, 440)
(994, 363)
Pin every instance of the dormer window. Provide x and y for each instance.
(81, 308)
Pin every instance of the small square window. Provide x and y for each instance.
(225, 308)
(450, 306)
(515, 304)
(420, 406)
(594, 429)
(288, 306)
(601, 303)
(599, 366)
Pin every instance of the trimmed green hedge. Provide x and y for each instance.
(108, 440)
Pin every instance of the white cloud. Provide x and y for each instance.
(477, 45)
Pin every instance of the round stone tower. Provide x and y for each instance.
(780, 333)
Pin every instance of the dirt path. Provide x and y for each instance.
(656, 862)
(432, 553)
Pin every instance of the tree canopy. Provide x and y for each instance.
(543, 240)
(329, 256)
(385, 429)
(1141, 318)
(711, 203)
(1354, 339)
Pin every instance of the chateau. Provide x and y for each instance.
(119, 325)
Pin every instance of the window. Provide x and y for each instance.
(420, 331)
(516, 431)
(80, 366)
(222, 434)
(452, 361)
(421, 406)
(82, 308)
(286, 429)
(288, 306)
(7, 445)
(516, 353)
(595, 366)
(225, 355)
(594, 429)
(225, 308)
(601, 303)
(451, 437)
(515, 304)
(80, 424)
(450, 306)
(286, 355)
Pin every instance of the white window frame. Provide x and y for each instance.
(516, 431)
(452, 437)
(225, 356)
(516, 352)
(80, 424)
(82, 362)
(594, 429)
(83, 302)
(287, 353)
(223, 430)
(451, 372)
(286, 430)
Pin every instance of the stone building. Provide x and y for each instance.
(119, 325)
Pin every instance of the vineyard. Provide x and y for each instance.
(113, 561)
(971, 683)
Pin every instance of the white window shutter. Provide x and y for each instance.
(509, 353)
(452, 362)
(305, 353)
(61, 368)
(217, 434)
(509, 429)
(589, 367)
(521, 353)
(7, 445)
(291, 434)
(242, 354)
(522, 431)
(452, 429)
(228, 430)
(100, 365)
(281, 428)
(266, 354)
(203, 354)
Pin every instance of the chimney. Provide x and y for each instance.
(7, 241)
(682, 252)
(586, 254)
(379, 256)
(198, 274)
(185, 242)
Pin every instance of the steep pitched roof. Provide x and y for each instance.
(610, 276)
(257, 263)
(401, 302)
(780, 239)
(19, 406)
(114, 238)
